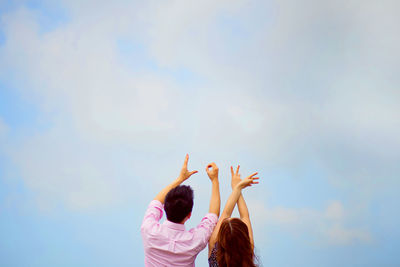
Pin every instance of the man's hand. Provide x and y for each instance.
(185, 174)
(235, 177)
(248, 181)
(181, 178)
(213, 172)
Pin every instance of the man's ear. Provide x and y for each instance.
(187, 217)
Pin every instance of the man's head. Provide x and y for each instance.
(179, 203)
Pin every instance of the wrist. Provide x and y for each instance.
(213, 178)
(215, 181)
(179, 180)
(237, 187)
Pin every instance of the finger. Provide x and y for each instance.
(255, 182)
(251, 176)
(193, 172)
(212, 165)
(256, 178)
(208, 167)
(186, 161)
(232, 170)
(237, 170)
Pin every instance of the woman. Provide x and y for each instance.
(231, 244)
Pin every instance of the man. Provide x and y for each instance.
(169, 243)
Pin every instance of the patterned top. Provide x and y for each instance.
(212, 261)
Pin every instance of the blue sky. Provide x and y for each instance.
(100, 101)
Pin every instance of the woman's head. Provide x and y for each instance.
(234, 247)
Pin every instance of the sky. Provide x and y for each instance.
(101, 100)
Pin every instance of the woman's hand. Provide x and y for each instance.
(235, 177)
(249, 181)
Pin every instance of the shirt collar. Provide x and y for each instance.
(175, 226)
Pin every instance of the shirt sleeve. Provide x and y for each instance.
(205, 229)
(152, 216)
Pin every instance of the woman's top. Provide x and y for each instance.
(212, 260)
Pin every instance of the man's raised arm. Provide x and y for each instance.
(184, 175)
(215, 201)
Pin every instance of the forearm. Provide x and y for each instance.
(215, 201)
(245, 217)
(231, 202)
(242, 207)
(161, 196)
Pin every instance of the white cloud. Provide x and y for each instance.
(328, 226)
(334, 211)
(62, 172)
(75, 71)
(180, 33)
(339, 235)
(297, 87)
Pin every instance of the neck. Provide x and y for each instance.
(184, 220)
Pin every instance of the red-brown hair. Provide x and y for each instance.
(234, 247)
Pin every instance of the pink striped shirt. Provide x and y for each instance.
(169, 244)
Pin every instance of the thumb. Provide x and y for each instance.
(193, 172)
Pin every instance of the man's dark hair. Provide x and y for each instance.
(178, 203)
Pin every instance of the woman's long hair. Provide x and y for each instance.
(234, 247)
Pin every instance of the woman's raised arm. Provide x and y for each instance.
(242, 207)
(230, 204)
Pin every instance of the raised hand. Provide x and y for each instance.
(235, 177)
(185, 174)
(213, 172)
(249, 181)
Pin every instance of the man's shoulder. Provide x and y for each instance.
(209, 219)
(156, 203)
